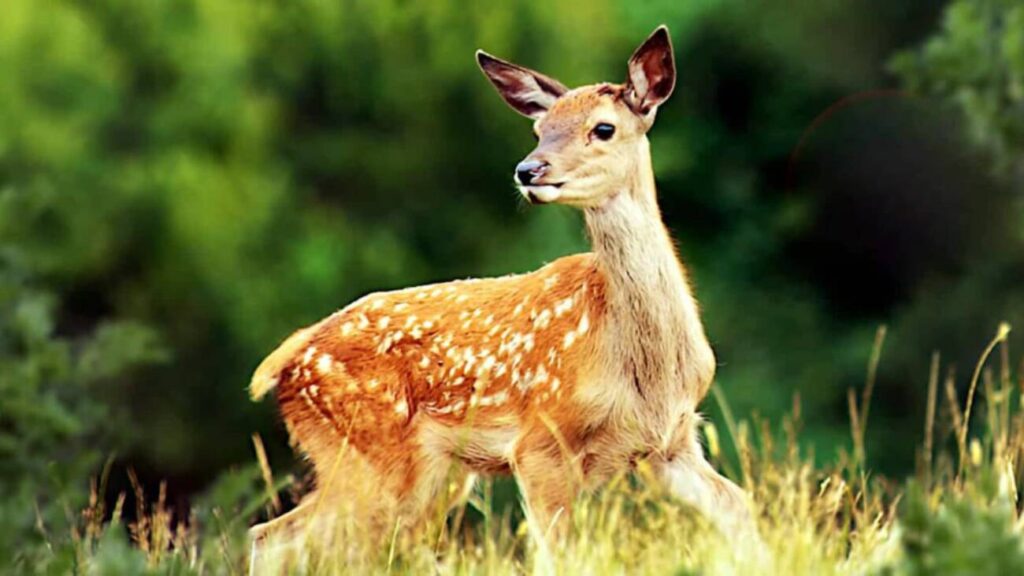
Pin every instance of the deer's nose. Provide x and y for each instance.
(527, 170)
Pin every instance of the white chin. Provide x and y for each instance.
(542, 194)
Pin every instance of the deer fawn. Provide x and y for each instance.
(564, 376)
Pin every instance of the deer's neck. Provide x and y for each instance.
(655, 335)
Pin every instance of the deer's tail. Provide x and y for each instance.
(268, 373)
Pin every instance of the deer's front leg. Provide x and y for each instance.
(691, 478)
(688, 475)
(547, 474)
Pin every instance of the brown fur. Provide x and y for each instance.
(484, 353)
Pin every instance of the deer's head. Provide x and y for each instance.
(593, 138)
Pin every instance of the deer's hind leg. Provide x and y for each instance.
(375, 464)
(345, 516)
(547, 471)
(275, 544)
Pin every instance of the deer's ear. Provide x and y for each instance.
(652, 73)
(529, 93)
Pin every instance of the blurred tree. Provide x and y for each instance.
(976, 62)
(53, 416)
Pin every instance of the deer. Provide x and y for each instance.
(562, 377)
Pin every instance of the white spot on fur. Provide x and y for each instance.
(324, 364)
(309, 401)
(401, 306)
(563, 306)
(487, 364)
(550, 281)
(543, 319)
(570, 337)
(494, 400)
(364, 322)
(308, 357)
(383, 322)
(541, 376)
(402, 408)
(584, 324)
(347, 328)
(528, 342)
(424, 361)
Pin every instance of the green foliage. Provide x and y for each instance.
(53, 387)
(977, 63)
(51, 413)
(962, 535)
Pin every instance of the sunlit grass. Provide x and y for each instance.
(960, 512)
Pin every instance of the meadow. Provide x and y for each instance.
(959, 514)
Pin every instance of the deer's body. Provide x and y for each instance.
(395, 371)
(563, 376)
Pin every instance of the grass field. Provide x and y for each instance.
(958, 515)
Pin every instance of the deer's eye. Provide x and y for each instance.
(604, 131)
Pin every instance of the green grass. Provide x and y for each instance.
(958, 515)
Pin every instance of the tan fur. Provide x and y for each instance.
(564, 376)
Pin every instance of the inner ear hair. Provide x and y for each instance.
(652, 73)
(528, 92)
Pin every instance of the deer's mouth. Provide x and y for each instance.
(536, 184)
(541, 192)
